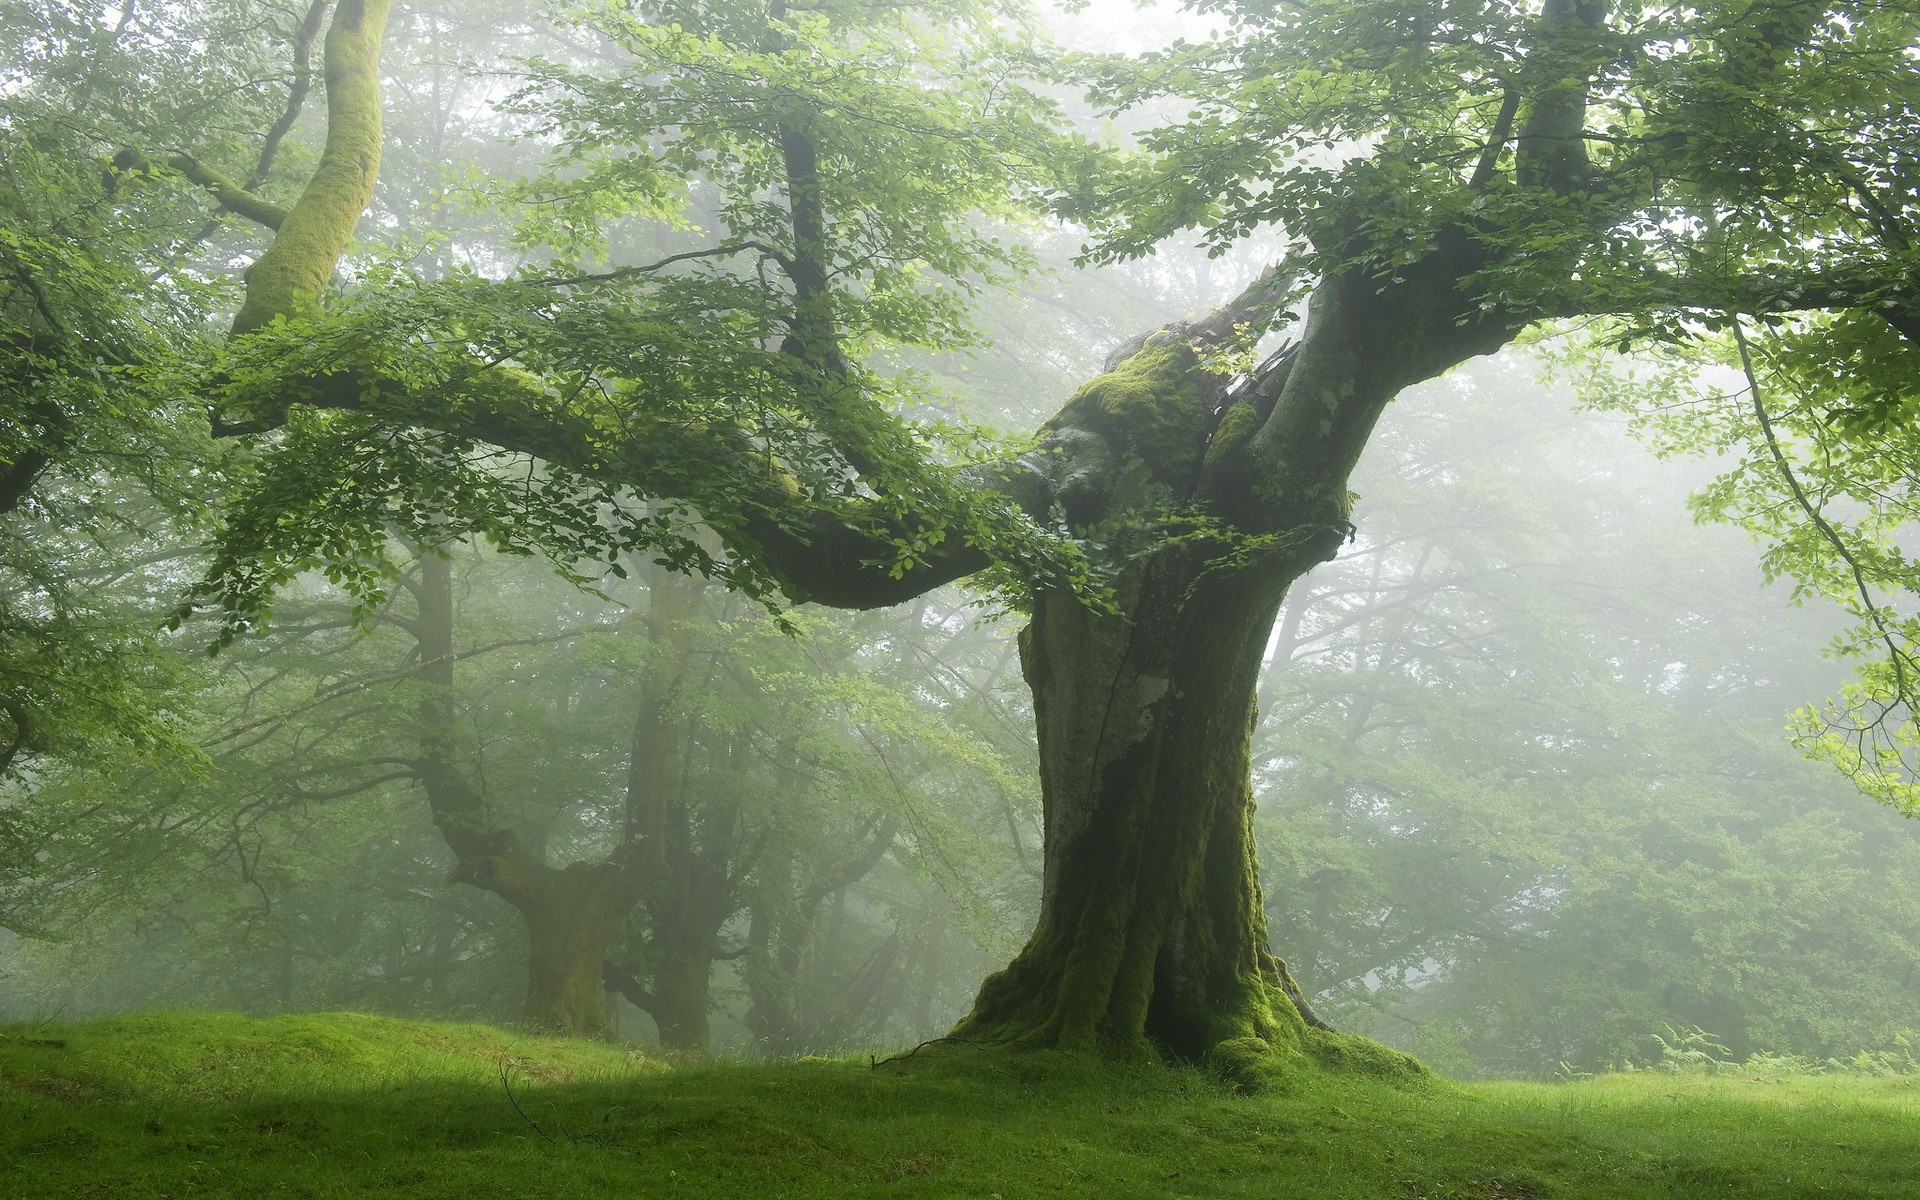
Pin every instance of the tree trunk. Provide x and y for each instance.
(1210, 502)
(1151, 929)
(682, 979)
(574, 915)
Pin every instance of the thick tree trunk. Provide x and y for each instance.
(1211, 501)
(1151, 930)
(682, 986)
(574, 916)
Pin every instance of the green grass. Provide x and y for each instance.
(345, 1105)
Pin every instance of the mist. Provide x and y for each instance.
(658, 590)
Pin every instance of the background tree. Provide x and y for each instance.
(1520, 753)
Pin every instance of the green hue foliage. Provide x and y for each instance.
(825, 185)
(101, 465)
(1815, 414)
(216, 1106)
(1732, 184)
(302, 870)
(1524, 797)
(827, 182)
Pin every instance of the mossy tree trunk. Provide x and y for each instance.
(1213, 500)
(1151, 928)
(574, 915)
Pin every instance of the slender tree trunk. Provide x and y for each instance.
(573, 914)
(933, 945)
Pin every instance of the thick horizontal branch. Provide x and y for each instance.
(231, 196)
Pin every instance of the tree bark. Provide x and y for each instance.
(683, 957)
(1152, 935)
(685, 919)
(574, 916)
(1151, 929)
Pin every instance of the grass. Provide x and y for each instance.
(179, 1106)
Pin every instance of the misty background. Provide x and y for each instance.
(1527, 803)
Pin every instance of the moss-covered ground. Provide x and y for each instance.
(344, 1105)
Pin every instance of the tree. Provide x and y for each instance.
(97, 457)
(684, 764)
(1449, 180)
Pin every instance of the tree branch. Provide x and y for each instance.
(618, 979)
(1875, 615)
(1551, 151)
(303, 37)
(231, 195)
(289, 278)
(1497, 140)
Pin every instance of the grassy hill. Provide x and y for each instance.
(179, 1106)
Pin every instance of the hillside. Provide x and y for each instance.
(173, 1106)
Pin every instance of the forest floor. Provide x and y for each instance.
(183, 1106)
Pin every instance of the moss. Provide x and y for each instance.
(288, 279)
(231, 195)
(345, 1107)
(1152, 405)
(1349, 1053)
(1256, 1066)
(1225, 451)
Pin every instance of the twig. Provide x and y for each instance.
(876, 1064)
(506, 1072)
(1874, 614)
(721, 251)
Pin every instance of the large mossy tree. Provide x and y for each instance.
(1446, 178)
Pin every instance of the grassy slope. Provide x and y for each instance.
(344, 1105)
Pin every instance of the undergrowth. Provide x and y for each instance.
(1693, 1051)
(172, 1106)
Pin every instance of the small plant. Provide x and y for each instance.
(1693, 1051)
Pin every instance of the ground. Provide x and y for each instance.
(345, 1105)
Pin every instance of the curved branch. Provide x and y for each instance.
(296, 94)
(1497, 140)
(1875, 616)
(619, 979)
(231, 195)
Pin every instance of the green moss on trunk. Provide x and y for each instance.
(1152, 937)
(288, 279)
(1151, 407)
